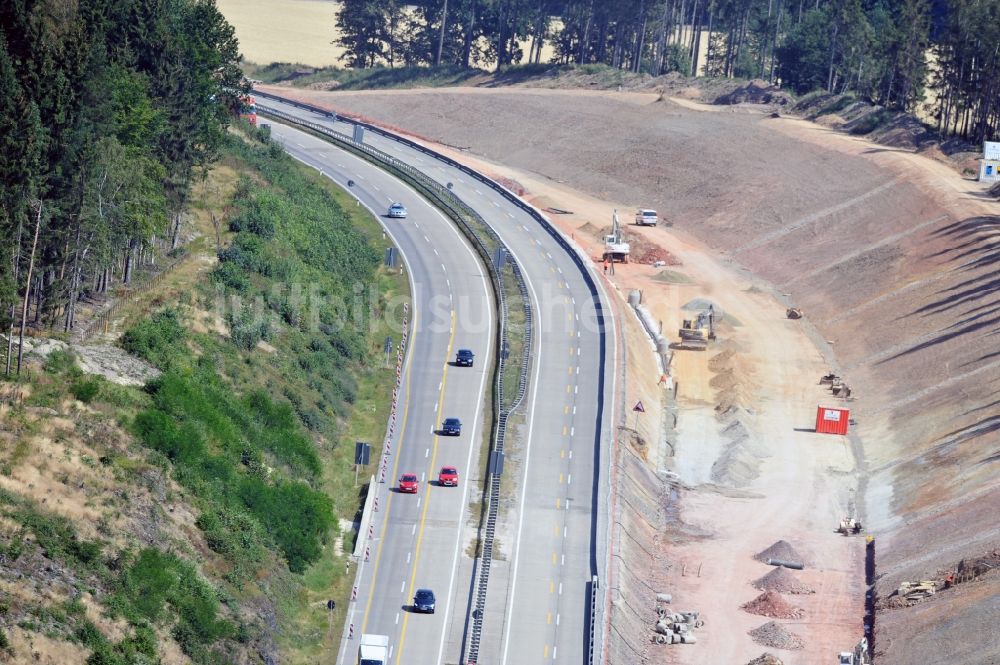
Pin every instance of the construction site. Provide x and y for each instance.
(812, 327)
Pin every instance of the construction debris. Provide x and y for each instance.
(782, 580)
(766, 659)
(773, 634)
(675, 627)
(781, 550)
(771, 604)
(916, 591)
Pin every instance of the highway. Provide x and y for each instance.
(557, 517)
(417, 539)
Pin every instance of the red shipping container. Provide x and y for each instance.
(830, 420)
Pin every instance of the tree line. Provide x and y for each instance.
(109, 109)
(896, 53)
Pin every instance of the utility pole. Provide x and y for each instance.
(444, 24)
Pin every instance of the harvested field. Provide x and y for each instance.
(773, 634)
(782, 580)
(771, 604)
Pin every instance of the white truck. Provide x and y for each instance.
(374, 650)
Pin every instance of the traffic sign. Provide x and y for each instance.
(639, 408)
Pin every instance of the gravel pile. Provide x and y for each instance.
(782, 580)
(773, 634)
(771, 604)
(766, 659)
(779, 550)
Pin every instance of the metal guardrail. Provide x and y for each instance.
(577, 259)
(460, 213)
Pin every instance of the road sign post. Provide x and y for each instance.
(362, 456)
(638, 408)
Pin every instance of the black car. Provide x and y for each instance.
(451, 426)
(464, 358)
(424, 601)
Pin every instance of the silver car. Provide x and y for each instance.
(397, 210)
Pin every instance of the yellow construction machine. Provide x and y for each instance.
(696, 333)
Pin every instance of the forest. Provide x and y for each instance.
(109, 110)
(896, 53)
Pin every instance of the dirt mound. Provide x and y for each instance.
(755, 92)
(721, 361)
(653, 254)
(773, 634)
(782, 580)
(700, 304)
(592, 230)
(766, 659)
(771, 604)
(782, 549)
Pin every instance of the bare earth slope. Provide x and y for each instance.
(893, 257)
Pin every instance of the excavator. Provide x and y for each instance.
(616, 250)
(696, 333)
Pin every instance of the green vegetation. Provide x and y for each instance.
(876, 50)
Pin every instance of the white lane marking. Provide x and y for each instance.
(402, 587)
(573, 300)
(440, 384)
(468, 462)
(564, 535)
(479, 192)
(409, 553)
(418, 502)
(577, 333)
(571, 454)
(436, 252)
(448, 282)
(557, 623)
(390, 652)
(377, 188)
(341, 165)
(572, 431)
(413, 530)
(361, 176)
(577, 317)
(461, 181)
(559, 269)
(577, 353)
(569, 478)
(428, 240)
(560, 588)
(389, 199)
(554, 649)
(574, 410)
(548, 255)
(427, 453)
(576, 389)
(577, 369)
(397, 618)
(510, 215)
(443, 268)
(298, 144)
(496, 204)
(423, 477)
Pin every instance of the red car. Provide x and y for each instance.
(448, 477)
(408, 483)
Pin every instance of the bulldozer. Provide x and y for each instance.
(696, 333)
(849, 526)
(916, 591)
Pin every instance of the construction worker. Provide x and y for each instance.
(948, 581)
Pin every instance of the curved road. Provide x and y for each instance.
(417, 539)
(557, 517)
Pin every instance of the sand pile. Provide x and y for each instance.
(721, 361)
(766, 659)
(782, 580)
(773, 634)
(771, 604)
(782, 549)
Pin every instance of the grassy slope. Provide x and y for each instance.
(144, 549)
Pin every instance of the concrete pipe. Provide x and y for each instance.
(660, 639)
(797, 565)
(634, 298)
(664, 597)
(688, 639)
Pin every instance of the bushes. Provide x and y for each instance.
(85, 389)
(158, 339)
(157, 579)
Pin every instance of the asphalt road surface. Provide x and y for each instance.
(559, 521)
(416, 538)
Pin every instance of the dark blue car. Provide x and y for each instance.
(451, 427)
(424, 601)
(465, 358)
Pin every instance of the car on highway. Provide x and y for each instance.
(451, 427)
(424, 601)
(647, 218)
(465, 358)
(397, 211)
(448, 477)
(408, 483)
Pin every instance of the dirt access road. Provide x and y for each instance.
(890, 254)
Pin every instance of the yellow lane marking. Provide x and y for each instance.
(395, 469)
(553, 558)
(565, 430)
(552, 587)
(562, 453)
(548, 618)
(427, 499)
(561, 478)
(566, 410)
(557, 503)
